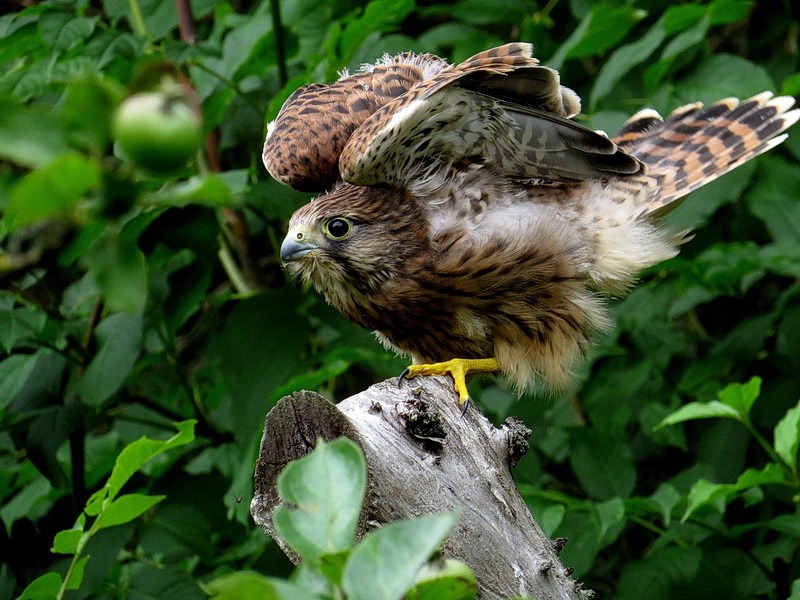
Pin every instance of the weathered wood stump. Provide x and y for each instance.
(423, 456)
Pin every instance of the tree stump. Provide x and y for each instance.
(423, 456)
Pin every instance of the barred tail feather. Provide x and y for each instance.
(697, 144)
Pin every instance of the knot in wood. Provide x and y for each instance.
(423, 423)
(558, 544)
(518, 435)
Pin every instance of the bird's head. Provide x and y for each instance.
(353, 239)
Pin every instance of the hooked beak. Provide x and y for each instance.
(295, 246)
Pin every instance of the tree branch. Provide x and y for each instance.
(424, 457)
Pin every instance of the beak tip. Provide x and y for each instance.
(292, 249)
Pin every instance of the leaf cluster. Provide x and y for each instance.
(326, 488)
(107, 509)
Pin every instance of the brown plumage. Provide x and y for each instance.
(316, 121)
(466, 216)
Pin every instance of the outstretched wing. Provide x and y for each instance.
(499, 108)
(304, 142)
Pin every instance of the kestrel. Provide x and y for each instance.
(468, 221)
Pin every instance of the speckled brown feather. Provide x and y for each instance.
(304, 143)
(499, 108)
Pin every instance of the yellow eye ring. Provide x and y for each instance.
(337, 228)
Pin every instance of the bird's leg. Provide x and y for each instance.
(458, 369)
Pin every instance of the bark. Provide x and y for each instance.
(423, 456)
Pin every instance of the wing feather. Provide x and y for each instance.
(499, 108)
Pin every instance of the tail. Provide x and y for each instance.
(697, 144)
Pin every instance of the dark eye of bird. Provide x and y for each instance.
(338, 228)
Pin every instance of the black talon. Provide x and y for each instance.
(403, 375)
(466, 406)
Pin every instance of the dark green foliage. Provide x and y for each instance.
(326, 489)
(129, 302)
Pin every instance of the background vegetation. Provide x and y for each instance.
(129, 302)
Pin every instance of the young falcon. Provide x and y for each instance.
(471, 223)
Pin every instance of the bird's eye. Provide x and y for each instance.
(337, 228)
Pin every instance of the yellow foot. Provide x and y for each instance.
(458, 369)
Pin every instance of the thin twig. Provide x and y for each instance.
(137, 18)
(280, 44)
(233, 218)
(186, 22)
(77, 437)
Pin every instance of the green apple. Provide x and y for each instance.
(156, 131)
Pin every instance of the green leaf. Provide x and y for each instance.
(610, 514)
(126, 508)
(160, 18)
(659, 573)
(66, 542)
(787, 437)
(120, 337)
(681, 17)
(771, 473)
(26, 134)
(734, 266)
(53, 191)
(680, 43)
(19, 324)
(666, 497)
(624, 59)
(704, 492)
(602, 462)
(308, 577)
(327, 487)
(63, 32)
(117, 266)
(33, 501)
(583, 546)
(23, 40)
(44, 587)
(795, 595)
(740, 396)
(86, 113)
(700, 410)
(76, 577)
(386, 562)
(334, 363)
(791, 85)
(486, 12)
(74, 32)
(202, 189)
(247, 585)
(598, 31)
(379, 15)
(551, 517)
(782, 258)
(722, 76)
(249, 358)
(728, 11)
(15, 372)
(157, 582)
(771, 199)
(131, 459)
(444, 580)
(332, 565)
